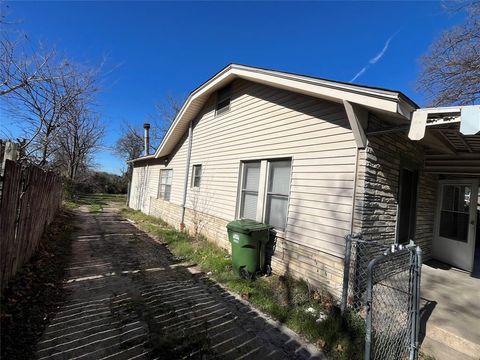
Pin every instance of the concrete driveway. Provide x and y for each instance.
(130, 299)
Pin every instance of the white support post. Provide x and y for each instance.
(358, 118)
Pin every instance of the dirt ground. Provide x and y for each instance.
(128, 298)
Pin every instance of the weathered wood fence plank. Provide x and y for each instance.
(30, 199)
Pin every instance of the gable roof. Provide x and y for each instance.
(388, 101)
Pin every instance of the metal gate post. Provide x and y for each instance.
(368, 304)
(346, 272)
(416, 304)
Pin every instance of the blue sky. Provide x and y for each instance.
(161, 48)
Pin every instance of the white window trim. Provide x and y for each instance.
(262, 189)
(159, 191)
(192, 183)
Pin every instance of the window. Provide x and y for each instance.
(250, 182)
(277, 193)
(265, 189)
(196, 175)
(223, 101)
(455, 212)
(407, 206)
(165, 184)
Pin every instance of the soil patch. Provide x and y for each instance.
(31, 298)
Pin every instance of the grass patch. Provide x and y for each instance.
(71, 205)
(285, 299)
(31, 298)
(95, 202)
(95, 208)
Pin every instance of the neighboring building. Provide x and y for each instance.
(317, 159)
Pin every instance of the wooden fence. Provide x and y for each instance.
(29, 202)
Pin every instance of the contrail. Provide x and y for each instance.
(375, 59)
(360, 73)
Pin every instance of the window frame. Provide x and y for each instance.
(263, 187)
(195, 175)
(269, 194)
(223, 95)
(244, 191)
(160, 193)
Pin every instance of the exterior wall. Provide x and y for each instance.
(266, 123)
(144, 185)
(378, 178)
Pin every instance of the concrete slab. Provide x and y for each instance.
(451, 308)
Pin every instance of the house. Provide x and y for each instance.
(318, 159)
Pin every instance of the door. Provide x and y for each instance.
(454, 241)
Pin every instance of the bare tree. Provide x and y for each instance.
(44, 106)
(163, 116)
(450, 72)
(77, 140)
(130, 145)
(17, 69)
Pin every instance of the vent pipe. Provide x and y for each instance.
(146, 138)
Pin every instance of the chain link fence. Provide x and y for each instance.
(382, 287)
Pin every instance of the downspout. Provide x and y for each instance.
(187, 169)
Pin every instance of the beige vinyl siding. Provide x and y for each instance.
(145, 182)
(177, 164)
(267, 123)
(137, 187)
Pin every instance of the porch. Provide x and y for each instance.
(450, 289)
(450, 308)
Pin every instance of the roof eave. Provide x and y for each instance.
(384, 100)
(152, 156)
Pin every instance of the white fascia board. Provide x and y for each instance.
(336, 92)
(141, 158)
(217, 81)
(319, 89)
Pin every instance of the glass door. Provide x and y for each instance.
(454, 242)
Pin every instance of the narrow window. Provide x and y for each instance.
(165, 184)
(407, 207)
(223, 101)
(196, 175)
(277, 193)
(455, 212)
(249, 195)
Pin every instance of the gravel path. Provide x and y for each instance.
(130, 299)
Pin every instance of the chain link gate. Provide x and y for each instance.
(382, 287)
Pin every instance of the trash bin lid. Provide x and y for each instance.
(247, 226)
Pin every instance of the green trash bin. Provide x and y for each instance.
(248, 239)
